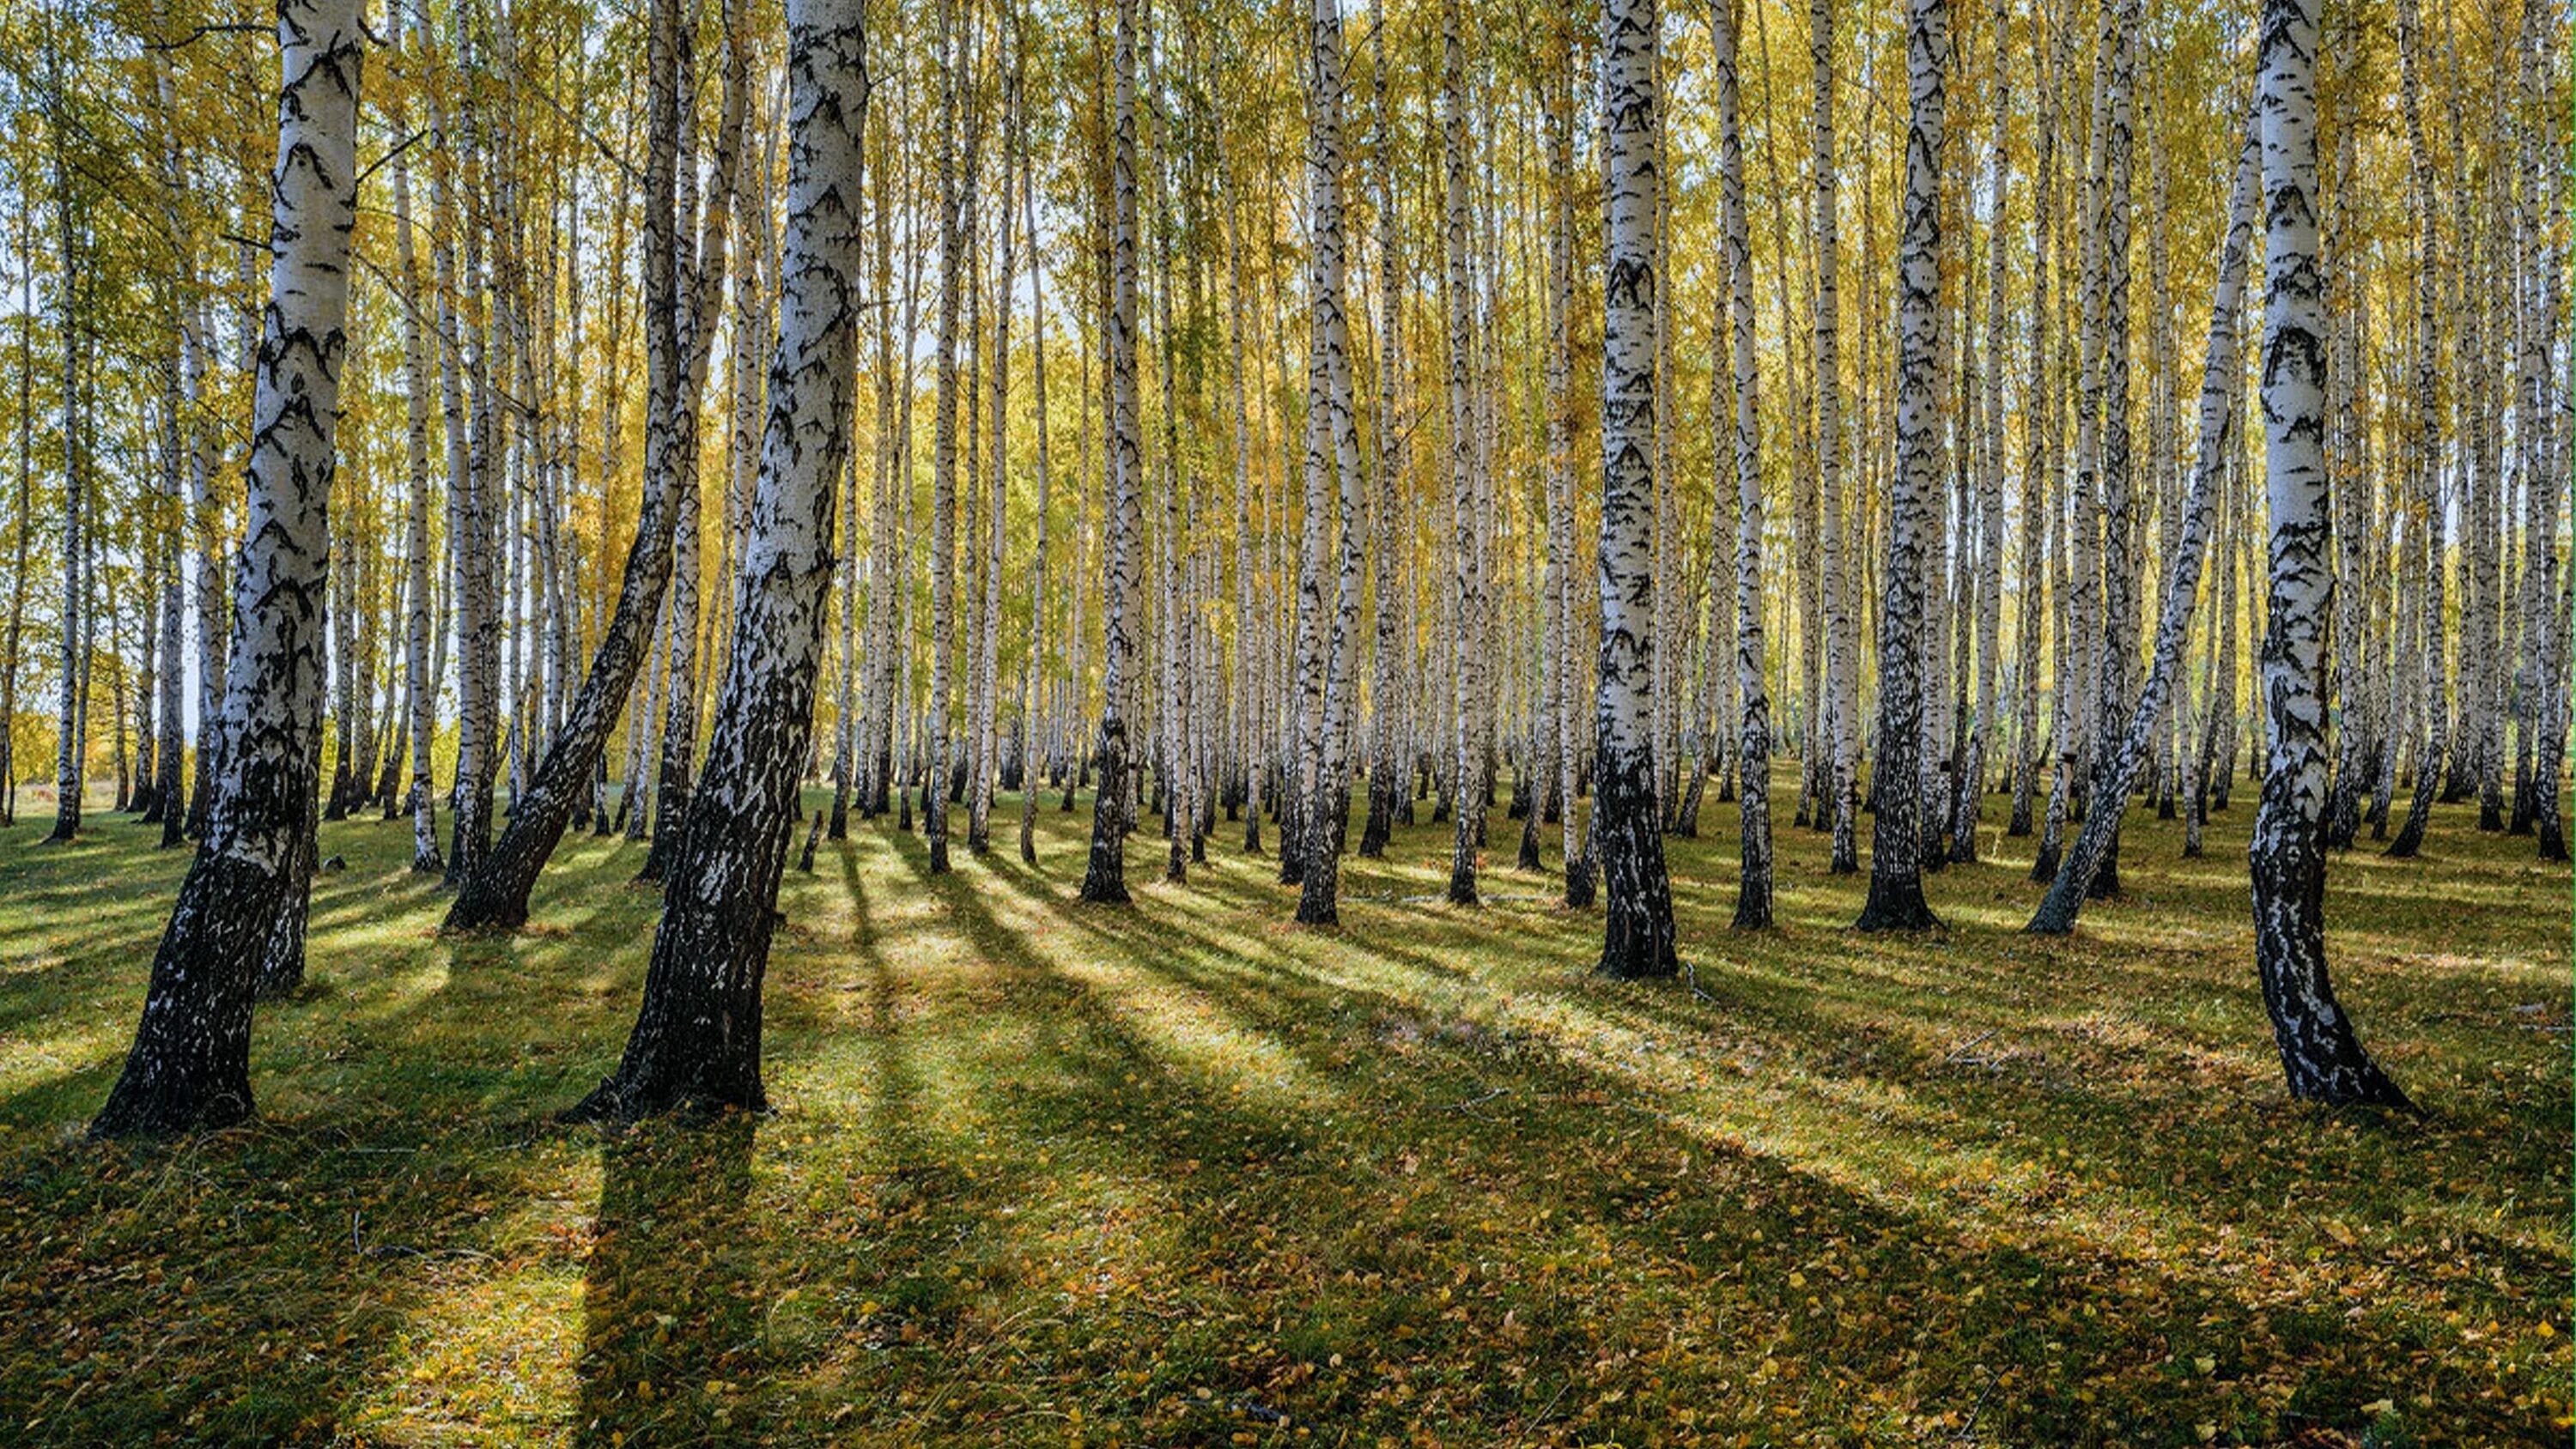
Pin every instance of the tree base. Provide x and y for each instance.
(1897, 909)
(614, 1101)
(1637, 961)
(2043, 869)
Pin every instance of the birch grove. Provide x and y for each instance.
(1538, 437)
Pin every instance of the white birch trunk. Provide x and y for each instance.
(2321, 1056)
(1627, 825)
(189, 1068)
(696, 1039)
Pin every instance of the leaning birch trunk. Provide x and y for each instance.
(1468, 684)
(496, 893)
(697, 1036)
(1896, 841)
(190, 1064)
(1627, 825)
(2221, 373)
(2320, 1054)
(1104, 878)
(1753, 888)
(700, 270)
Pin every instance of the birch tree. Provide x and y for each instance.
(1627, 826)
(496, 893)
(1468, 684)
(2221, 374)
(1332, 452)
(1753, 889)
(696, 1039)
(2321, 1055)
(1896, 840)
(2426, 523)
(1837, 561)
(1104, 877)
(189, 1067)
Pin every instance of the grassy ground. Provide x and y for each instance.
(1185, 1174)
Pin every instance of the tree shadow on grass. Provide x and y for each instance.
(2039, 1317)
(673, 1293)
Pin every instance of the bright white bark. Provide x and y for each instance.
(1105, 876)
(697, 1035)
(1753, 890)
(1896, 842)
(2320, 1054)
(190, 1063)
(1627, 824)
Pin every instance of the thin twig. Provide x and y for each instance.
(1955, 1059)
(1978, 1409)
(408, 142)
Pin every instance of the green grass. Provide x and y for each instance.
(1186, 1174)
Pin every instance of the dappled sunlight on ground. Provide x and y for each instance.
(1186, 1173)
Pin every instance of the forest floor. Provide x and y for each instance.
(1180, 1174)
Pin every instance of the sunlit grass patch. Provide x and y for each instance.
(1187, 1173)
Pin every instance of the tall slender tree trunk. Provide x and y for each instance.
(2222, 372)
(1840, 810)
(2427, 523)
(954, 239)
(2116, 661)
(1753, 887)
(696, 1039)
(699, 290)
(1385, 769)
(1557, 106)
(2321, 1055)
(189, 1067)
(1968, 793)
(1896, 841)
(1332, 452)
(1468, 684)
(1034, 681)
(1627, 825)
(72, 620)
(496, 893)
(420, 686)
(1105, 873)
